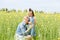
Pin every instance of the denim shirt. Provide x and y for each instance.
(32, 31)
(21, 28)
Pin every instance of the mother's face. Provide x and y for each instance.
(30, 14)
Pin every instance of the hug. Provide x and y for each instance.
(26, 29)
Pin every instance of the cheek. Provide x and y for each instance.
(29, 14)
(26, 21)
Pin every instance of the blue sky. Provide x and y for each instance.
(45, 5)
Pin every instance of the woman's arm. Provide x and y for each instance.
(30, 27)
(34, 20)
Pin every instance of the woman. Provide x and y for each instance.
(32, 21)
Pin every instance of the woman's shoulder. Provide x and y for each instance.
(34, 17)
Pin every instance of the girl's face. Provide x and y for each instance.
(26, 19)
(30, 14)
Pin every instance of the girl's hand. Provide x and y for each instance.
(30, 23)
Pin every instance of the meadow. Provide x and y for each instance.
(47, 26)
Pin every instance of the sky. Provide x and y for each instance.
(44, 5)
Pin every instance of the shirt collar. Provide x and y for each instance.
(24, 23)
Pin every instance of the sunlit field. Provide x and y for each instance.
(47, 26)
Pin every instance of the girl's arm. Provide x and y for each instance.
(30, 27)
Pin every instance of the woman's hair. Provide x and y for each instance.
(32, 12)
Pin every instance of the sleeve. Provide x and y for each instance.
(18, 29)
(23, 29)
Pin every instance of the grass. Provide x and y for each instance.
(47, 26)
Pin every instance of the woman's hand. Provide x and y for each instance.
(30, 23)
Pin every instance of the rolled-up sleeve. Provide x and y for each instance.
(22, 29)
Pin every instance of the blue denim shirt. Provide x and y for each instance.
(32, 31)
(21, 28)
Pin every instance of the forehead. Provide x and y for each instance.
(26, 18)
